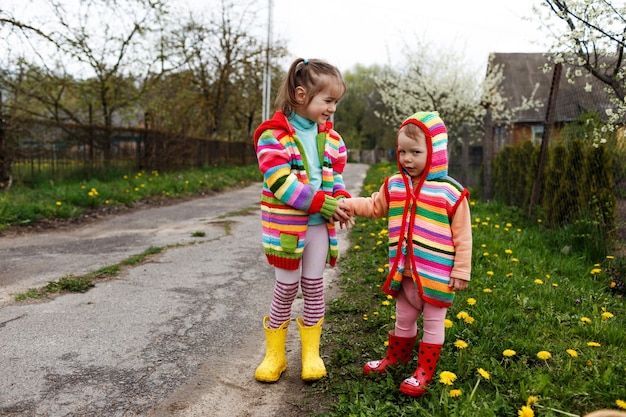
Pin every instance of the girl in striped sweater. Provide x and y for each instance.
(302, 160)
(430, 244)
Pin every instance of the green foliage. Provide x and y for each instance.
(106, 190)
(513, 174)
(525, 296)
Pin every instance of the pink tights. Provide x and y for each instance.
(409, 306)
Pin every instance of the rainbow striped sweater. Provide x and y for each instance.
(421, 219)
(287, 199)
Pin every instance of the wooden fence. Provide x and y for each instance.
(32, 147)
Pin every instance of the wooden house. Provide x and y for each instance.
(523, 74)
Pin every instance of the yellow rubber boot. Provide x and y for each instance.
(275, 361)
(312, 365)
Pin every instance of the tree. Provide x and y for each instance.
(356, 114)
(589, 34)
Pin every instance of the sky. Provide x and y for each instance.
(367, 32)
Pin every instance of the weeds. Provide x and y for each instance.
(539, 329)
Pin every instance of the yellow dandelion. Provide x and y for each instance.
(357, 247)
(386, 303)
(386, 343)
(490, 273)
(381, 270)
(621, 404)
(538, 282)
(593, 344)
(514, 260)
(613, 284)
(525, 411)
(447, 323)
(595, 271)
(610, 257)
(462, 315)
(58, 203)
(544, 355)
(555, 285)
(509, 352)
(485, 253)
(508, 251)
(455, 393)
(606, 315)
(472, 301)
(572, 353)
(447, 378)
(531, 400)
(461, 344)
(469, 320)
(509, 225)
(585, 320)
(484, 373)
(487, 290)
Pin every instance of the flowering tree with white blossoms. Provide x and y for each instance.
(589, 35)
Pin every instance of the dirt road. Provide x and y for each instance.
(178, 336)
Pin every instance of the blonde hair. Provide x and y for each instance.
(412, 131)
(313, 75)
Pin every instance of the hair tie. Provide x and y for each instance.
(306, 61)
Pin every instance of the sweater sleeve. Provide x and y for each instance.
(462, 238)
(375, 206)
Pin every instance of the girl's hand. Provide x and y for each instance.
(457, 284)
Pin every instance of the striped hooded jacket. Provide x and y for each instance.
(287, 199)
(420, 219)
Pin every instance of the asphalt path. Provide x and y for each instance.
(179, 335)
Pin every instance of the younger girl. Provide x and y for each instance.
(302, 160)
(430, 244)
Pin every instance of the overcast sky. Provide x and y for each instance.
(347, 32)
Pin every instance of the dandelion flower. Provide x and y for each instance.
(457, 393)
(58, 203)
(572, 353)
(508, 251)
(621, 404)
(544, 355)
(531, 400)
(487, 290)
(469, 320)
(509, 352)
(484, 373)
(462, 315)
(447, 323)
(538, 282)
(447, 378)
(357, 247)
(593, 344)
(606, 315)
(490, 273)
(525, 411)
(461, 344)
(585, 320)
(386, 303)
(381, 270)
(472, 301)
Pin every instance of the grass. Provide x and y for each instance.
(536, 328)
(73, 197)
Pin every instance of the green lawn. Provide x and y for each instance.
(538, 327)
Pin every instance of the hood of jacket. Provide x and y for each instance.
(436, 142)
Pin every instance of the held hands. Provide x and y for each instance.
(343, 215)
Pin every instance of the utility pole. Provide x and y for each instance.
(267, 70)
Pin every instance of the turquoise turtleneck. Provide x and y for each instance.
(307, 130)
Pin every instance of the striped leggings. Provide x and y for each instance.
(310, 278)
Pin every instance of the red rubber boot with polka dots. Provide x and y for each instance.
(415, 385)
(399, 349)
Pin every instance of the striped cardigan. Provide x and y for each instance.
(287, 199)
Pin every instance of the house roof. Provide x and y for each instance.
(522, 71)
